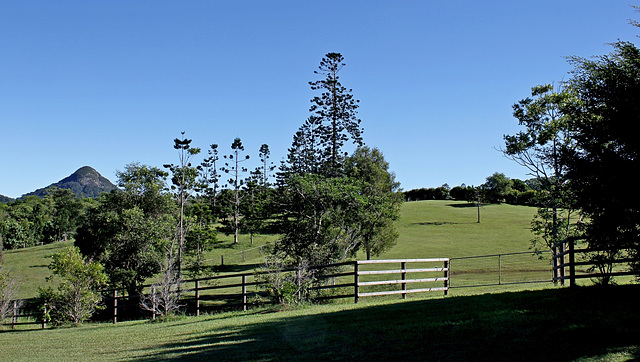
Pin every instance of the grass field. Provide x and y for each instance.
(529, 321)
(588, 323)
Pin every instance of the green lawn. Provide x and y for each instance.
(588, 323)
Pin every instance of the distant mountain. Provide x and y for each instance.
(5, 199)
(86, 182)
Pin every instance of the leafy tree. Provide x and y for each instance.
(382, 200)
(319, 219)
(336, 111)
(184, 182)
(497, 187)
(77, 295)
(543, 147)
(132, 229)
(236, 182)
(66, 210)
(606, 114)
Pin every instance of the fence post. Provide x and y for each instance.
(244, 292)
(44, 317)
(243, 259)
(403, 267)
(197, 297)
(14, 319)
(222, 260)
(115, 306)
(446, 277)
(554, 263)
(499, 269)
(562, 263)
(356, 281)
(154, 302)
(572, 263)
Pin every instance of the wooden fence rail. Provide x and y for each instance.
(566, 248)
(236, 289)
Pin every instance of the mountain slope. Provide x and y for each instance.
(85, 182)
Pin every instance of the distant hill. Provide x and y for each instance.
(5, 199)
(86, 182)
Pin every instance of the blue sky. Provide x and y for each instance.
(106, 83)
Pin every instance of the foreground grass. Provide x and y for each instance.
(588, 323)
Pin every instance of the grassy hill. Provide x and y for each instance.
(587, 323)
(427, 229)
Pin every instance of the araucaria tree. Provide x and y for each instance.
(184, 182)
(336, 111)
(234, 168)
(332, 205)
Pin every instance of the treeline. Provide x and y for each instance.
(498, 188)
(33, 220)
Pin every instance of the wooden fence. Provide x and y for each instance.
(564, 257)
(353, 279)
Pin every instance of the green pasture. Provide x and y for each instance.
(587, 323)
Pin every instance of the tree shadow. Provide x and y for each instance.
(508, 326)
(435, 223)
(464, 206)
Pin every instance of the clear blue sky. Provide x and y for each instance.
(106, 83)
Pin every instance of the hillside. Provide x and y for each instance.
(5, 199)
(85, 182)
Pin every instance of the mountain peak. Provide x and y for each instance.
(85, 182)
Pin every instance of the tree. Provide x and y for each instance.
(236, 181)
(66, 209)
(497, 187)
(77, 295)
(210, 178)
(184, 181)
(382, 199)
(8, 291)
(336, 111)
(132, 229)
(544, 147)
(606, 115)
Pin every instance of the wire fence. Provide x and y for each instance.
(501, 269)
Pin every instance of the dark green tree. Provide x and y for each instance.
(606, 117)
(382, 199)
(132, 229)
(336, 111)
(497, 188)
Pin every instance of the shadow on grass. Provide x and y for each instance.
(434, 223)
(559, 324)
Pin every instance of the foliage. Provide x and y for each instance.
(77, 295)
(131, 229)
(544, 147)
(497, 187)
(606, 113)
(334, 113)
(382, 199)
(318, 219)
